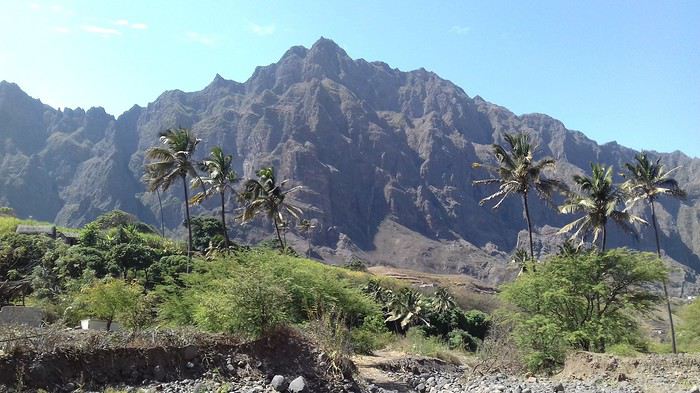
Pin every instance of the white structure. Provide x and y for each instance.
(96, 324)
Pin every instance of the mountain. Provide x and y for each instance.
(384, 157)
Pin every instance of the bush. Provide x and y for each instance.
(254, 302)
(416, 342)
(297, 286)
(328, 330)
(584, 301)
(460, 339)
(372, 335)
(111, 299)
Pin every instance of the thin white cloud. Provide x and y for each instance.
(35, 7)
(61, 29)
(103, 31)
(126, 23)
(262, 30)
(199, 38)
(459, 30)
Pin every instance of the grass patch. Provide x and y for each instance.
(415, 342)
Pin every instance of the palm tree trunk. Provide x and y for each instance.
(529, 226)
(189, 227)
(605, 238)
(277, 230)
(223, 220)
(668, 299)
(162, 221)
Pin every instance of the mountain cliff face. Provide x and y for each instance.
(384, 157)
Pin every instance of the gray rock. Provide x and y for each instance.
(279, 383)
(298, 385)
(559, 387)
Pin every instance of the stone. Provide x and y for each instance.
(559, 387)
(421, 388)
(694, 389)
(279, 383)
(298, 385)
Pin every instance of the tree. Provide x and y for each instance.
(124, 257)
(263, 195)
(443, 300)
(221, 178)
(599, 200)
(407, 308)
(173, 162)
(206, 230)
(585, 301)
(110, 299)
(518, 173)
(647, 180)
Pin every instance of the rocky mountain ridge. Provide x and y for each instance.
(384, 157)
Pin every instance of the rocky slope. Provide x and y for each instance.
(384, 157)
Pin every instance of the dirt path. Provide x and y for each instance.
(374, 370)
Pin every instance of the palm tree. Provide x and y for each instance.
(518, 173)
(172, 162)
(306, 226)
(443, 300)
(647, 180)
(599, 202)
(264, 195)
(407, 309)
(221, 178)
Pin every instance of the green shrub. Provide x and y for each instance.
(689, 329)
(372, 335)
(254, 302)
(416, 342)
(213, 295)
(584, 301)
(460, 339)
(111, 299)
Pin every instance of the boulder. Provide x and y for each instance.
(298, 385)
(279, 383)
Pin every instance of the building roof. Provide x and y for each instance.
(36, 229)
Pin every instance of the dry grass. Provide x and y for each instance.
(16, 340)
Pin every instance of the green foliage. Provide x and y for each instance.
(20, 253)
(206, 230)
(118, 218)
(585, 301)
(7, 211)
(460, 339)
(249, 292)
(251, 303)
(689, 329)
(125, 257)
(356, 264)
(111, 299)
(417, 342)
(372, 335)
(166, 270)
(74, 260)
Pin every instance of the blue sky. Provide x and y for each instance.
(617, 70)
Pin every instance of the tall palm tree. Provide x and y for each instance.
(221, 178)
(647, 180)
(264, 195)
(599, 200)
(173, 162)
(518, 173)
